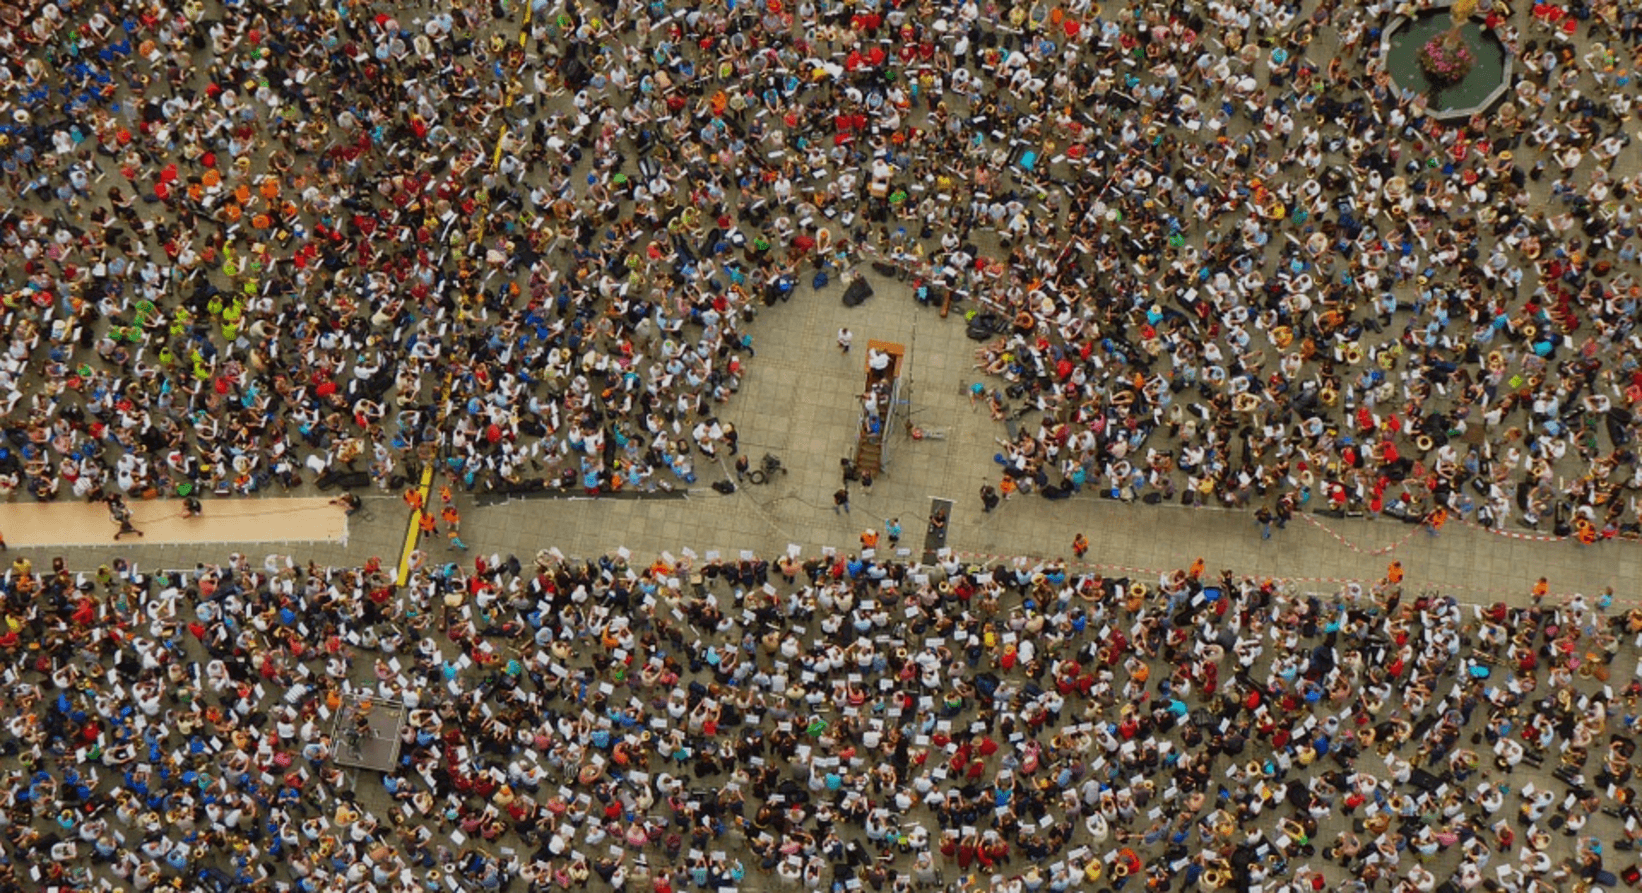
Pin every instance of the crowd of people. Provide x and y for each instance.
(249, 245)
(830, 723)
(254, 246)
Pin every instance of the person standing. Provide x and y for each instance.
(1263, 518)
(989, 497)
(892, 530)
(845, 337)
(453, 526)
(1435, 520)
(1080, 545)
(841, 501)
(121, 514)
(849, 472)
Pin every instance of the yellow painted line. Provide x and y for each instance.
(415, 528)
(524, 31)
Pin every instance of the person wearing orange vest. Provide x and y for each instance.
(1080, 545)
(453, 524)
(1394, 573)
(1585, 531)
(1435, 521)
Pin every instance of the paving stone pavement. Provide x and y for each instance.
(799, 401)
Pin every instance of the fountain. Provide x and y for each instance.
(1458, 64)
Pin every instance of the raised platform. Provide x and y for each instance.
(272, 520)
(376, 747)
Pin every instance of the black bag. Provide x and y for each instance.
(724, 487)
(982, 327)
(857, 293)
